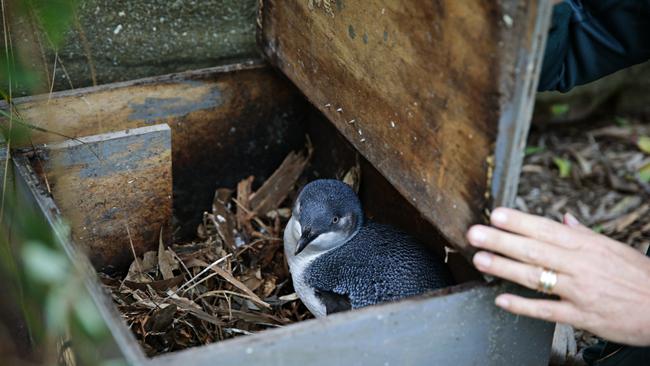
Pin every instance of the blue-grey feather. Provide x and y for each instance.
(379, 264)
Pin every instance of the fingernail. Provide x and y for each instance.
(498, 217)
(482, 259)
(571, 220)
(502, 301)
(476, 236)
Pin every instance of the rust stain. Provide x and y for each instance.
(101, 193)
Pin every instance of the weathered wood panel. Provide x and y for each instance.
(417, 87)
(108, 182)
(226, 122)
(183, 97)
(31, 199)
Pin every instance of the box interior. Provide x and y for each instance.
(215, 152)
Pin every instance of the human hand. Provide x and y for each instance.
(603, 285)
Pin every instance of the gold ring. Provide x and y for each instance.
(547, 281)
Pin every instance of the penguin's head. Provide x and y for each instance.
(329, 214)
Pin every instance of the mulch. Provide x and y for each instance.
(599, 171)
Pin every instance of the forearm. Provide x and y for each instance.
(594, 38)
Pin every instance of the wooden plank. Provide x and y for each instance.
(30, 197)
(518, 89)
(463, 328)
(418, 88)
(108, 182)
(136, 103)
(213, 113)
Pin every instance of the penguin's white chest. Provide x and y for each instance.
(298, 265)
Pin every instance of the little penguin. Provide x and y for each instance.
(339, 260)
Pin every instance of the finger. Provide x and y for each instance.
(572, 222)
(551, 310)
(523, 274)
(521, 248)
(536, 227)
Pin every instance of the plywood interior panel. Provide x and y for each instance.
(417, 88)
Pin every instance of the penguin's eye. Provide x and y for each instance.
(335, 219)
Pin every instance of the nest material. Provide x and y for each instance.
(233, 280)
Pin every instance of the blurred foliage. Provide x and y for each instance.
(44, 283)
(643, 143)
(53, 16)
(559, 110)
(644, 173)
(563, 166)
(532, 150)
(621, 121)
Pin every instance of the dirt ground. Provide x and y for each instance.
(598, 170)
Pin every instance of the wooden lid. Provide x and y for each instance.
(424, 90)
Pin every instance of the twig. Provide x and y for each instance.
(199, 274)
(47, 182)
(135, 256)
(235, 282)
(217, 292)
(49, 96)
(200, 282)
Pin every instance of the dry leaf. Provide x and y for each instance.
(276, 189)
(166, 261)
(643, 143)
(243, 204)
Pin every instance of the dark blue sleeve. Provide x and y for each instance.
(592, 38)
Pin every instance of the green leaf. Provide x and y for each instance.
(88, 317)
(559, 110)
(44, 264)
(621, 121)
(598, 229)
(57, 311)
(644, 144)
(644, 173)
(563, 165)
(16, 132)
(55, 16)
(531, 150)
(17, 74)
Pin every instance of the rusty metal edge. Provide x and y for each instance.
(120, 333)
(280, 343)
(337, 318)
(516, 115)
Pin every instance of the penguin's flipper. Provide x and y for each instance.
(333, 302)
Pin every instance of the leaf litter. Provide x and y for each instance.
(232, 280)
(599, 173)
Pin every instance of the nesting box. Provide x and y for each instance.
(435, 100)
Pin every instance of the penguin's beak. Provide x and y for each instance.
(306, 238)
